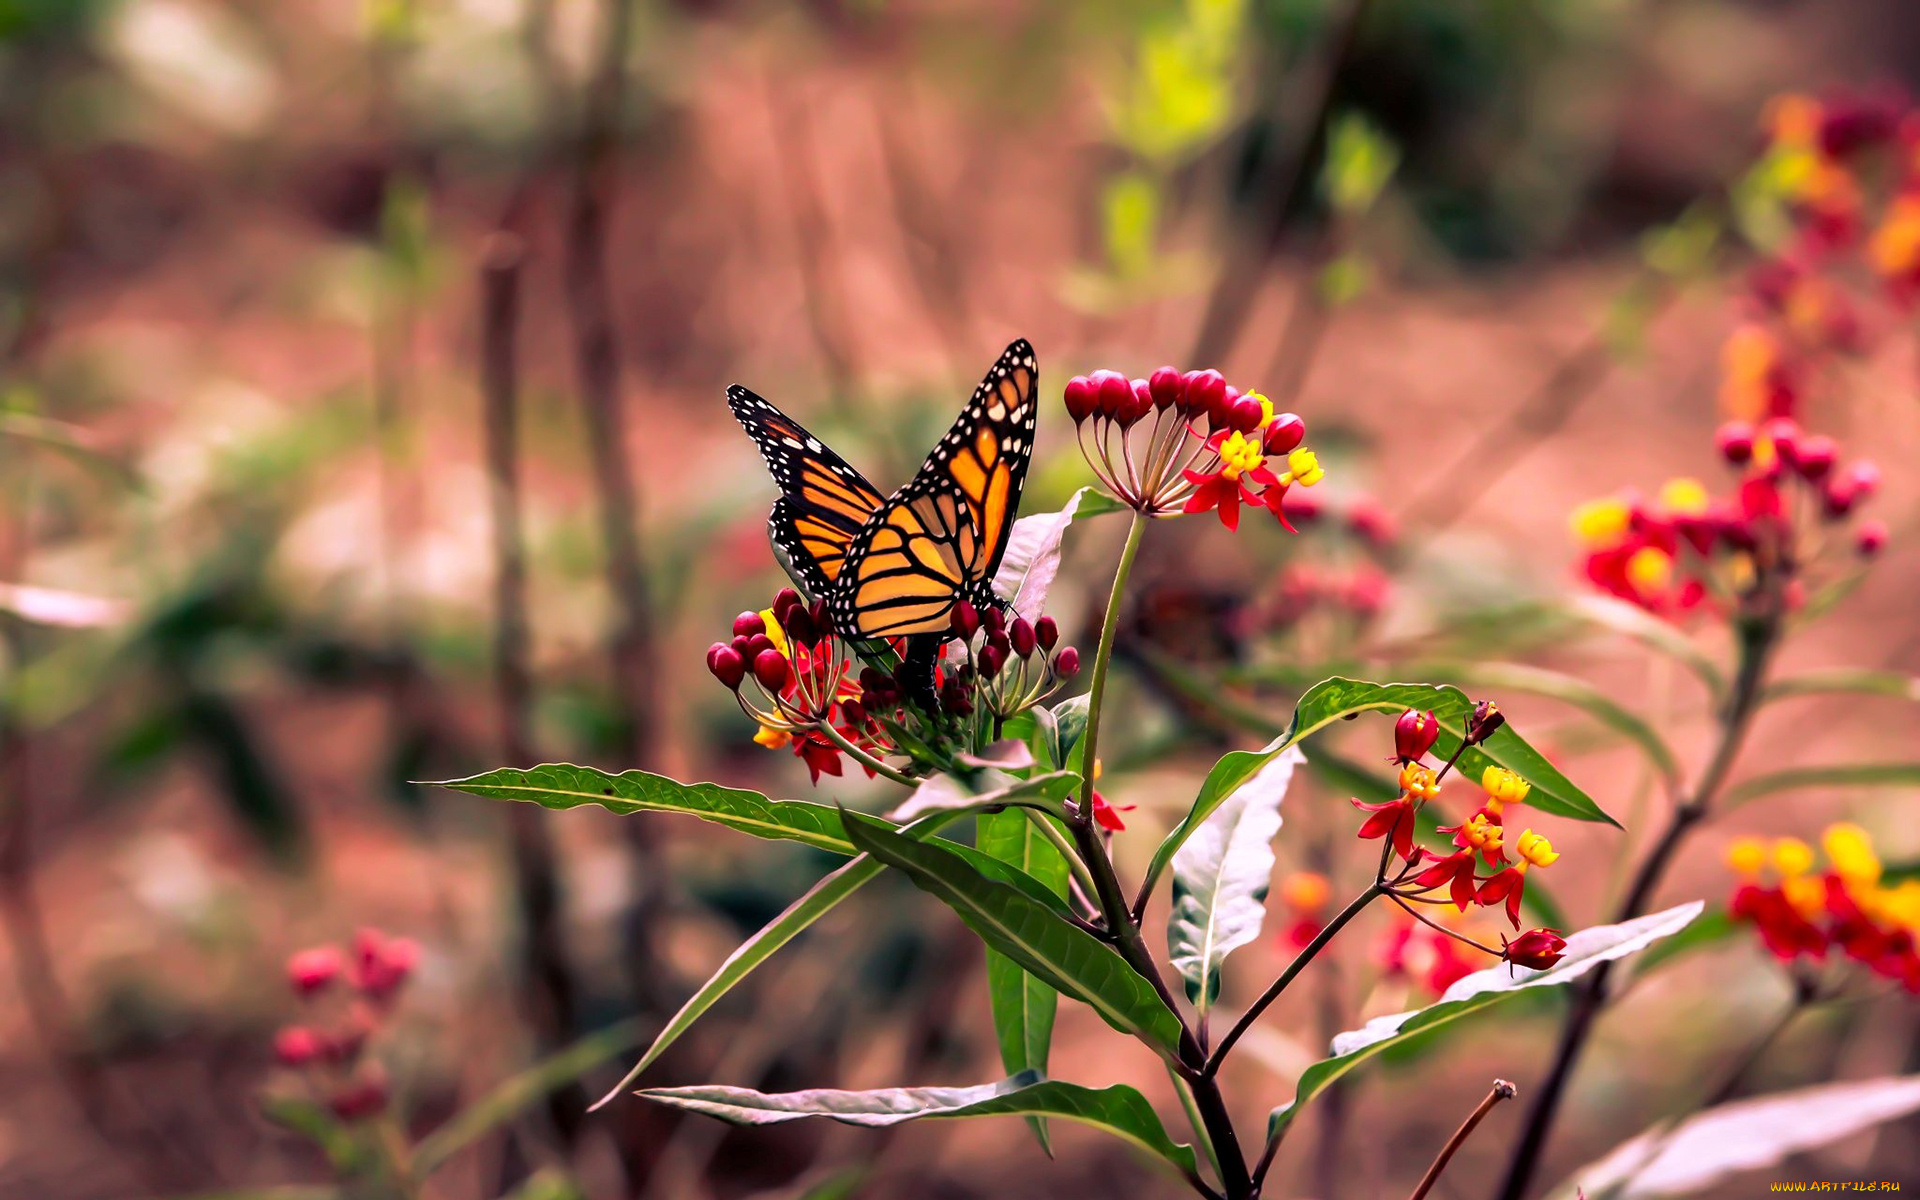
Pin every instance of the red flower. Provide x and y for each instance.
(1456, 871)
(1392, 819)
(1107, 816)
(1505, 885)
(1536, 948)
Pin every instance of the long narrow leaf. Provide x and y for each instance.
(1036, 936)
(1221, 876)
(1894, 685)
(1585, 951)
(1854, 775)
(1745, 1135)
(1043, 792)
(1118, 1110)
(1650, 631)
(1023, 1006)
(1338, 698)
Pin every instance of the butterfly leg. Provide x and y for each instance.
(916, 671)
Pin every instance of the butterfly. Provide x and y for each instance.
(894, 566)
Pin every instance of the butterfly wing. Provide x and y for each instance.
(824, 502)
(939, 539)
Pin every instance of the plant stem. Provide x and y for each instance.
(1102, 656)
(1294, 968)
(1758, 638)
(1502, 1090)
(863, 758)
(1185, 1091)
(1216, 1124)
(1052, 833)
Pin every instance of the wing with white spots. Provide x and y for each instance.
(940, 538)
(824, 502)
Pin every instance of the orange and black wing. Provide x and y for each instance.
(824, 502)
(939, 539)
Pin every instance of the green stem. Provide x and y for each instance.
(1294, 968)
(863, 758)
(1052, 833)
(1102, 656)
(1194, 1119)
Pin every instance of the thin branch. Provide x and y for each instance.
(1502, 1090)
(1293, 969)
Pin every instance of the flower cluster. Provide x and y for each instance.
(1688, 548)
(349, 998)
(794, 677)
(1804, 913)
(1836, 188)
(1479, 840)
(1205, 449)
(1430, 958)
(798, 681)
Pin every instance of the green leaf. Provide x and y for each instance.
(519, 1093)
(562, 786)
(1555, 685)
(1854, 775)
(1338, 698)
(988, 789)
(1626, 619)
(1023, 1006)
(1892, 684)
(819, 900)
(1585, 951)
(1032, 559)
(1033, 934)
(1118, 1110)
(1071, 715)
(548, 1183)
(1221, 877)
(1746, 1135)
(345, 1153)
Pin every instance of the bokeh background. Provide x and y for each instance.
(261, 263)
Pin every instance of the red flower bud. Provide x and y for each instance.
(383, 963)
(756, 645)
(1784, 433)
(1116, 392)
(747, 624)
(1286, 432)
(1816, 457)
(1066, 664)
(1838, 497)
(1870, 539)
(727, 665)
(296, 1046)
(1205, 393)
(1168, 386)
(783, 599)
(1536, 948)
(993, 620)
(1081, 397)
(1245, 414)
(822, 618)
(992, 658)
(312, 971)
(1865, 478)
(799, 624)
(1414, 734)
(964, 620)
(1734, 440)
(852, 713)
(956, 698)
(770, 668)
(364, 1097)
(1046, 631)
(1022, 637)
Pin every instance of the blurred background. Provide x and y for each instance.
(320, 318)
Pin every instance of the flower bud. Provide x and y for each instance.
(756, 645)
(1865, 478)
(1245, 414)
(853, 713)
(1414, 734)
(747, 624)
(992, 657)
(1168, 387)
(1205, 394)
(1838, 497)
(1046, 631)
(1284, 432)
(800, 628)
(1022, 637)
(296, 1046)
(1138, 405)
(1784, 433)
(1536, 948)
(383, 963)
(964, 620)
(312, 971)
(1082, 397)
(1816, 456)
(1734, 440)
(1066, 664)
(954, 698)
(822, 618)
(993, 620)
(1487, 718)
(1115, 390)
(770, 668)
(784, 599)
(1870, 539)
(364, 1097)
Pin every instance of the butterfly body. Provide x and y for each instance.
(893, 567)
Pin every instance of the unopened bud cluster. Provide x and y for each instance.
(997, 667)
(1184, 442)
(349, 997)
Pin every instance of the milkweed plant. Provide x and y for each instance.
(997, 812)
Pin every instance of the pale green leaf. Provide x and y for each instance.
(1023, 1006)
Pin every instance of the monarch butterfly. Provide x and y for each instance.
(894, 566)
